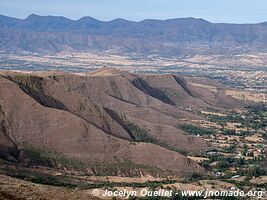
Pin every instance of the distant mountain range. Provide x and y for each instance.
(172, 37)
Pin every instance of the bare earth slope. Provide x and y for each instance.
(102, 119)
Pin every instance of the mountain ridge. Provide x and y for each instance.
(136, 21)
(171, 37)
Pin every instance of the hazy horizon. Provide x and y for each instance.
(128, 19)
(238, 12)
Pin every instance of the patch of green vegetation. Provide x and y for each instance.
(229, 149)
(232, 118)
(254, 171)
(260, 109)
(176, 149)
(223, 163)
(141, 135)
(249, 122)
(193, 177)
(228, 132)
(255, 118)
(195, 130)
(227, 162)
(48, 157)
(52, 181)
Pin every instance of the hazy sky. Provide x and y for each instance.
(235, 11)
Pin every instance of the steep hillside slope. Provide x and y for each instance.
(103, 120)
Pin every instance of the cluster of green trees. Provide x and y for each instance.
(230, 149)
(253, 171)
(141, 135)
(258, 109)
(227, 162)
(194, 130)
(255, 117)
(232, 118)
(223, 163)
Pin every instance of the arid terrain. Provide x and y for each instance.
(242, 71)
(69, 133)
(90, 106)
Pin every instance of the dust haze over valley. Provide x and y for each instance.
(88, 105)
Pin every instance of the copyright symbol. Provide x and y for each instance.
(95, 192)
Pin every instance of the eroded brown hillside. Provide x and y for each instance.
(105, 120)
